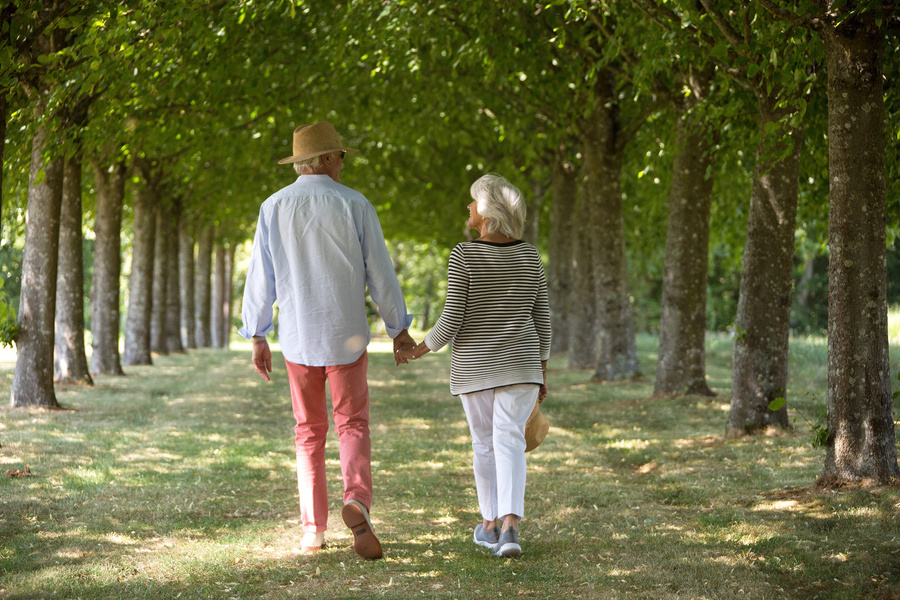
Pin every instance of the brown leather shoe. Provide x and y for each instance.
(356, 517)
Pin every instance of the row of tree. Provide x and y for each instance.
(574, 86)
(644, 131)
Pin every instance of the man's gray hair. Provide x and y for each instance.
(502, 203)
(310, 164)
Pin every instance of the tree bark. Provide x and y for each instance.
(219, 296)
(159, 311)
(140, 280)
(681, 364)
(186, 285)
(105, 314)
(203, 289)
(762, 324)
(860, 447)
(559, 247)
(70, 359)
(173, 278)
(616, 345)
(582, 313)
(4, 114)
(33, 379)
(228, 301)
(533, 212)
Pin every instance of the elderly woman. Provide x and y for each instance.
(497, 318)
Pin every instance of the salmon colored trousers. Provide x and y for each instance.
(350, 410)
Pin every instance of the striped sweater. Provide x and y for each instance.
(496, 316)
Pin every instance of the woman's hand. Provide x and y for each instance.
(418, 351)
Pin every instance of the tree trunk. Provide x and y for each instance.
(33, 378)
(218, 297)
(229, 296)
(140, 281)
(559, 246)
(582, 301)
(186, 285)
(162, 248)
(533, 212)
(681, 363)
(203, 291)
(616, 345)
(861, 441)
(762, 324)
(110, 184)
(70, 361)
(4, 114)
(6, 19)
(173, 278)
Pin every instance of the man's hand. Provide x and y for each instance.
(262, 358)
(403, 342)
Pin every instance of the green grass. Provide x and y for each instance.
(178, 481)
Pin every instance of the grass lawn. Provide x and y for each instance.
(178, 481)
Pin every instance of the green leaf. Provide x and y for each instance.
(777, 404)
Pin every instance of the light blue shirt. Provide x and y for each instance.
(318, 245)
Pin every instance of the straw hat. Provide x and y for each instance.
(315, 139)
(536, 428)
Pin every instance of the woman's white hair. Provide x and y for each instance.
(502, 203)
(309, 165)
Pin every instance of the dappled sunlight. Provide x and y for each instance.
(709, 441)
(630, 444)
(150, 454)
(412, 423)
(187, 485)
(778, 505)
(119, 539)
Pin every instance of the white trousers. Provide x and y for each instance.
(497, 420)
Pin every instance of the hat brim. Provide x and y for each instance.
(295, 159)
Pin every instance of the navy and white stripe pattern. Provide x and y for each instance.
(496, 316)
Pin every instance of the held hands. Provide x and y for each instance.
(403, 345)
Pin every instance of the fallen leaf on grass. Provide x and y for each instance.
(18, 473)
(646, 468)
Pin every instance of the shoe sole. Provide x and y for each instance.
(510, 551)
(364, 541)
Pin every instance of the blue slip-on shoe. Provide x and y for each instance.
(488, 539)
(508, 544)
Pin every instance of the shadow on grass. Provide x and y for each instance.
(178, 481)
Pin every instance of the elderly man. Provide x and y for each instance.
(318, 245)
